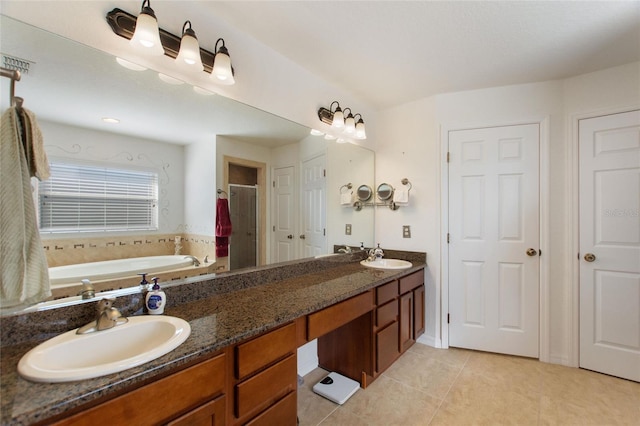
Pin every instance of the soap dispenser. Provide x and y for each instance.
(144, 290)
(156, 299)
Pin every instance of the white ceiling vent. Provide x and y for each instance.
(23, 65)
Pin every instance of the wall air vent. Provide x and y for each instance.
(23, 65)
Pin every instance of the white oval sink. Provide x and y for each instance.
(387, 264)
(71, 356)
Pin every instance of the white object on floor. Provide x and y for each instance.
(336, 387)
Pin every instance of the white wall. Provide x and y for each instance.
(78, 144)
(200, 188)
(410, 146)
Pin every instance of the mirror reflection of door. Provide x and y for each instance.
(243, 209)
(314, 221)
(284, 202)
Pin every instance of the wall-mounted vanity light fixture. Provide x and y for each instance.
(336, 119)
(189, 53)
(144, 33)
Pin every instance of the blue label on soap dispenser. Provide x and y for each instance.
(155, 302)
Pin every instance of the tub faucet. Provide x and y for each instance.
(107, 317)
(87, 292)
(196, 262)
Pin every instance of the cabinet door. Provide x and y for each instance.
(406, 321)
(386, 346)
(210, 414)
(418, 312)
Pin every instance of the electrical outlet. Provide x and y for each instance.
(347, 229)
(406, 231)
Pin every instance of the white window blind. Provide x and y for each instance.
(81, 198)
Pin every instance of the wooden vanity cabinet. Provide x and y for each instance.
(193, 396)
(411, 309)
(366, 346)
(265, 379)
(387, 327)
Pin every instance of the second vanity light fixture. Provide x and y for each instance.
(145, 36)
(337, 120)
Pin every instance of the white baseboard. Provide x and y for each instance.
(428, 340)
(560, 359)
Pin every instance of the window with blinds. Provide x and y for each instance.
(82, 198)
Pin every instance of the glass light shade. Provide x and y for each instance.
(338, 119)
(146, 36)
(350, 124)
(222, 72)
(190, 52)
(360, 131)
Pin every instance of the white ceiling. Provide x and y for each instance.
(392, 52)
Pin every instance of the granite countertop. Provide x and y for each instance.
(216, 321)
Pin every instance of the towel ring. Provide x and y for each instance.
(348, 186)
(405, 182)
(221, 192)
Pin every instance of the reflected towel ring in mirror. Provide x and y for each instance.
(384, 192)
(364, 193)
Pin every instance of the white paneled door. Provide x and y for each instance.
(284, 215)
(609, 149)
(313, 236)
(494, 238)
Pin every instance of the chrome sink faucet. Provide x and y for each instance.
(107, 316)
(375, 254)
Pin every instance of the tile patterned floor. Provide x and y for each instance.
(428, 386)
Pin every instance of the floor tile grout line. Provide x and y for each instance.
(449, 390)
(328, 415)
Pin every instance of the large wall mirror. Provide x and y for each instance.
(197, 142)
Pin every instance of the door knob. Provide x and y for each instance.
(589, 257)
(302, 237)
(290, 237)
(532, 252)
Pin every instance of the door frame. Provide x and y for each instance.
(573, 224)
(442, 309)
(262, 197)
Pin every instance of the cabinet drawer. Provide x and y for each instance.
(258, 353)
(337, 315)
(282, 413)
(387, 313)
(386, 347)
(412, 281)
(261, 390)
(210, 414)
(386, 292)
(151, 405)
